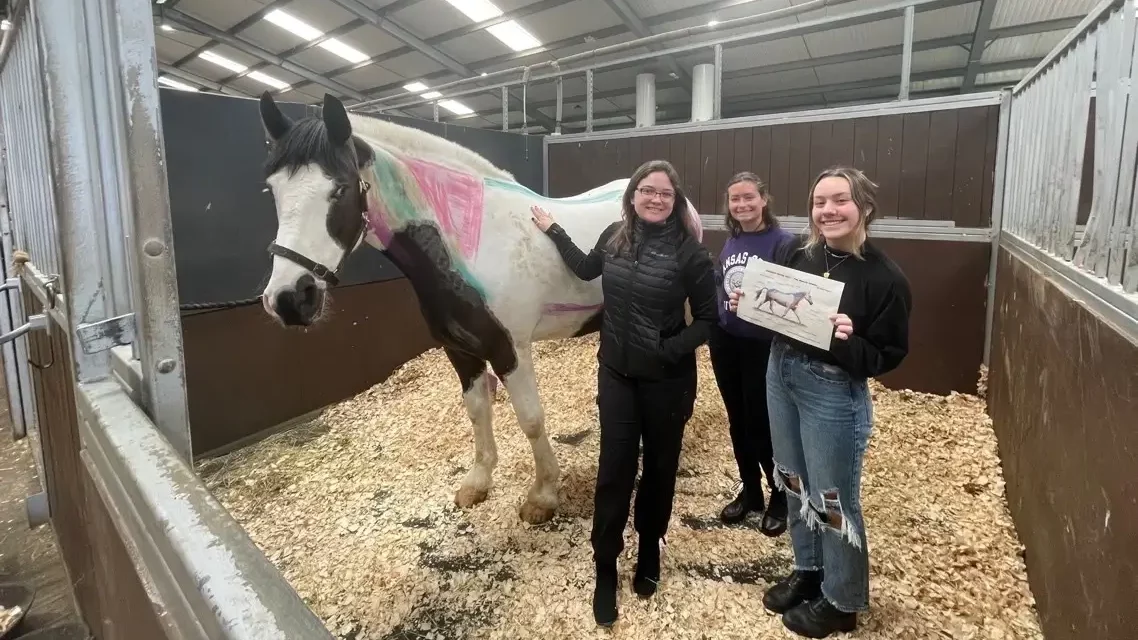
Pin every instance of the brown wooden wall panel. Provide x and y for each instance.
(246, 374)
(933, 165)
(946, 331)
(1063, 396)
(107, 589)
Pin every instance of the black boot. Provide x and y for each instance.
(736, 510)
(798, 587)
(604, 594)
(774, 520)
(818, 619)
(647, 567)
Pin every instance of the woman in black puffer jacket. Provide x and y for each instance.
(646, 384)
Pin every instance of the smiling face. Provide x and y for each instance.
(654, 197)
(835, 214)
(745, 204)
(313, 174)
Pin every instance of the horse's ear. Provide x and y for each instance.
(336, 120)
(276, 123)
(364, 154)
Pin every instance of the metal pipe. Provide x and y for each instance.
(589, 100)
(15, 18)
(775, 33)
(560, 103)
(907, 53)
(717, 83)
(668, 36)
(702, 92)
(435, 110)
(645, 99)
(505, 109)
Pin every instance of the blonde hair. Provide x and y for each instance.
(863, 192)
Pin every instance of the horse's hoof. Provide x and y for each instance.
(534, 514)
(467, 497)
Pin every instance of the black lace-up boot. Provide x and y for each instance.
(818, 619)
(798, 587)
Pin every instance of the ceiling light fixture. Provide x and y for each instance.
(237, 67)
(511, 33)
(307, 32)
(174, 84)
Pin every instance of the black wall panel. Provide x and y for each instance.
(222, 214)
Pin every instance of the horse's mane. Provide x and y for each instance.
(403, 140)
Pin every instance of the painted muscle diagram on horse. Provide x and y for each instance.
(788, 301)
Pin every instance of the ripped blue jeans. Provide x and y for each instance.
(821, 420)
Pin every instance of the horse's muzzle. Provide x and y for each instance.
(301, 305)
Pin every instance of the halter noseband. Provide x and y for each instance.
(317, 269)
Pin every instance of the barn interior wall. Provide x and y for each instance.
(108, 591)
(1063, 397)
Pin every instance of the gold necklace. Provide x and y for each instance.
(826, 257)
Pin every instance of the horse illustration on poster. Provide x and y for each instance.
(789, 301)
(774, 284)
(489, 283)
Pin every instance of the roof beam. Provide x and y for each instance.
(234, 30)
(922, 45)
(247, 47)
(196, 79)
(404, 35)
(979, 42)
(630, 19)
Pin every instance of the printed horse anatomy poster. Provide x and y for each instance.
(793, 303)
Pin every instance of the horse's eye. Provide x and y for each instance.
(339, 192)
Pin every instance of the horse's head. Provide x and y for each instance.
(313, 171)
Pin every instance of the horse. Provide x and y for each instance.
(488, 281)
(789, 300)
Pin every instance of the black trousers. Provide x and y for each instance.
(631, 409)
(740, 366)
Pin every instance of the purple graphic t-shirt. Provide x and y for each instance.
(732, 260)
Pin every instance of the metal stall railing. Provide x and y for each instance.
(1048, 118)
(588, 62)
(91, 244)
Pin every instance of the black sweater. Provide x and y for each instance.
(644, 331)
(876, 298)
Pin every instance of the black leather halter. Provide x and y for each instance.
(317, 269)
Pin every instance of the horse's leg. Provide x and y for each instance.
(475, 379)
(541, 501)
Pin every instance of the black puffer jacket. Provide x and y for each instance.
(645, 332)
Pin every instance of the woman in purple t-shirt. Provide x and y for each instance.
(740, 350)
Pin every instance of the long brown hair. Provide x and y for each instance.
(733, 226)
(863, 192)
(622, 239)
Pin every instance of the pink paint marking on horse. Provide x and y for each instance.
(457, 199)
(564, 307)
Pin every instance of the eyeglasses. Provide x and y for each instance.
(650, 192)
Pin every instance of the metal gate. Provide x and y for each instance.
(92, 305)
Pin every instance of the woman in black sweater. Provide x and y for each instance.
(820, 408)
(646, 384)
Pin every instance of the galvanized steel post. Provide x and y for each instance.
(907, 53)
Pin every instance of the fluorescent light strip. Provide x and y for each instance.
(477, 10)
(511, 33)
(237, 67)
(456, 108)
(415, 87)
(5, 25)
(174, 84)
(514, 36)
(302, 29)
